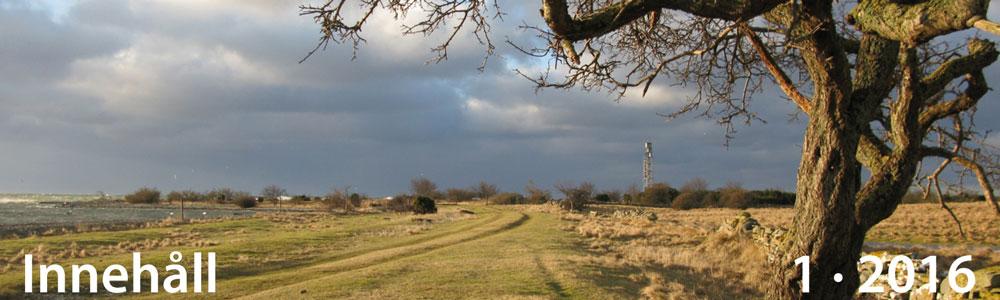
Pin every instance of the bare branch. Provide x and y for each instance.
(981, 176)
(616, 15)
(982, 53)
(975, 89)
(778, 74)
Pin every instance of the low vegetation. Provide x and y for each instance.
(424, 205)
(245, 201)
(144, 196)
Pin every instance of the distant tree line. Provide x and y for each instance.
(574, 196)
(693, 194)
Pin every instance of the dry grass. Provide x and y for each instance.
(43, 254)
(682, 256)
(679, 258)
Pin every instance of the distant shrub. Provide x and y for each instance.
(536, 195)
(144, 195)
(460, 194)
(484, 190)
(356, 200)
(507, 198)
(339, 199)
(690, 200)
(300, 199)
(399, 203)
(576, 195)
(603, 198)
(734, 196)
(221, 195)
(245, 201)
(424, 205)
(609, 196)
(186, 196)
(657, 194)
(772, 197)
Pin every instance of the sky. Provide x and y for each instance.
(112, 95)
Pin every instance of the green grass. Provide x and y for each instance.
(498, 253)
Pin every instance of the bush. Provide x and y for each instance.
(603, 198)
(186, 196)
(484, 190)
(221, 195)
(507, 198)
(734, 196)
(144, 195)
(356, 200)
(576, 195)
(689, 200)
(424, 205)
(772, 198)
(657, 194)
(300, 199)
(399, 203)
(536, 195)
(339, 199)
(245, 201)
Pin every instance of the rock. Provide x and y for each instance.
(987, 283)
(741, 224)
(923, 293)
(635, 214)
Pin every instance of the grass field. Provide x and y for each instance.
(497, 252)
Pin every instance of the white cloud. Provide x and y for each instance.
(152, 76)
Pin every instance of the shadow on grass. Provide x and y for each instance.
(550, 280)
(629, 280)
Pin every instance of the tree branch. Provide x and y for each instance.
(779, 75)
(915, 23)
(982, 53)
(975, 90)
(933, 179)
(981, 176)
(614, 16)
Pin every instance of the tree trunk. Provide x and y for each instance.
(824, 226)
(829, 177)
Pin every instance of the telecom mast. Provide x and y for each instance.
(647, 166)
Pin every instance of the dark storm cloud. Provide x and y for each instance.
(111, 95)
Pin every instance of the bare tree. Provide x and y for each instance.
(868, 77)
(535, 194)
(484, 190)
(341, 198)
(421, 186)
(274, 193)
(575, 196)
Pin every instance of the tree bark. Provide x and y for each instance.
(829, 177)
(824, 227)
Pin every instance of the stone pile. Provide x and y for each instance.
(637, 213)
